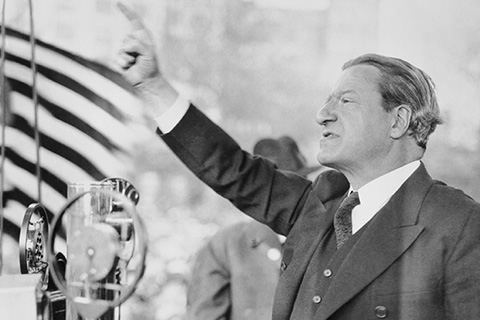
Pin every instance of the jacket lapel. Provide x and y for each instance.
(388, 235)
(328, 189)
(313, 231)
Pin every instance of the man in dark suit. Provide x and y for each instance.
(235, 274)
(412, 248)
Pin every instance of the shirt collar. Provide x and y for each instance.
(383, 187)
(375, 194)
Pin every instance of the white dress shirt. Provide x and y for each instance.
(375, 194)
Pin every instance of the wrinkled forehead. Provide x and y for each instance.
(358, 79)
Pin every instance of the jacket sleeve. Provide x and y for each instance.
(249, 182)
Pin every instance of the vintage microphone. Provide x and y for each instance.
(106, 249)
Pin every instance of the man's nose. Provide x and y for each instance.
(326, 114)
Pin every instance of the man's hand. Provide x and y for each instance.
(137, 56)
(138, 63)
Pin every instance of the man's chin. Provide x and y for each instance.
(327, 160)
(324, 161)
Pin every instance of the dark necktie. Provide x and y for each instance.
(342, 220)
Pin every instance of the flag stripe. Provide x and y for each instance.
(63, 168)
(89, 120)
(59, 133)
(97, 77)
(30, 167)
(48, 143)
(11, 229)
(53, 94)
(63, 115)
(71, 84)
(27, 183)
(92, 65)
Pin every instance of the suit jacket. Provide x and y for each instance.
(235, 274)
(417, 259)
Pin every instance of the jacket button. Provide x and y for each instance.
(327, 273)
(317, 299)
(381, 312)
(283, 266)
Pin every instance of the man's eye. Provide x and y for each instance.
(345, 100)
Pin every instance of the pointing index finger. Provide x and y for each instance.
(131, 16)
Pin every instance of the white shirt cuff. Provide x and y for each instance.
(167, 121)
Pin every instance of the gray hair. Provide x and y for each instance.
(403, 83)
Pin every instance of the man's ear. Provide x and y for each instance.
(402, 116)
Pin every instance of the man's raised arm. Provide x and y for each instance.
(138, 63)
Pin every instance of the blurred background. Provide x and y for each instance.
(263, 68)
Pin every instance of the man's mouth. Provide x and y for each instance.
(327, 134)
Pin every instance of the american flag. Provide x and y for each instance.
(90, 124)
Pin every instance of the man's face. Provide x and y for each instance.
(355, 127)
